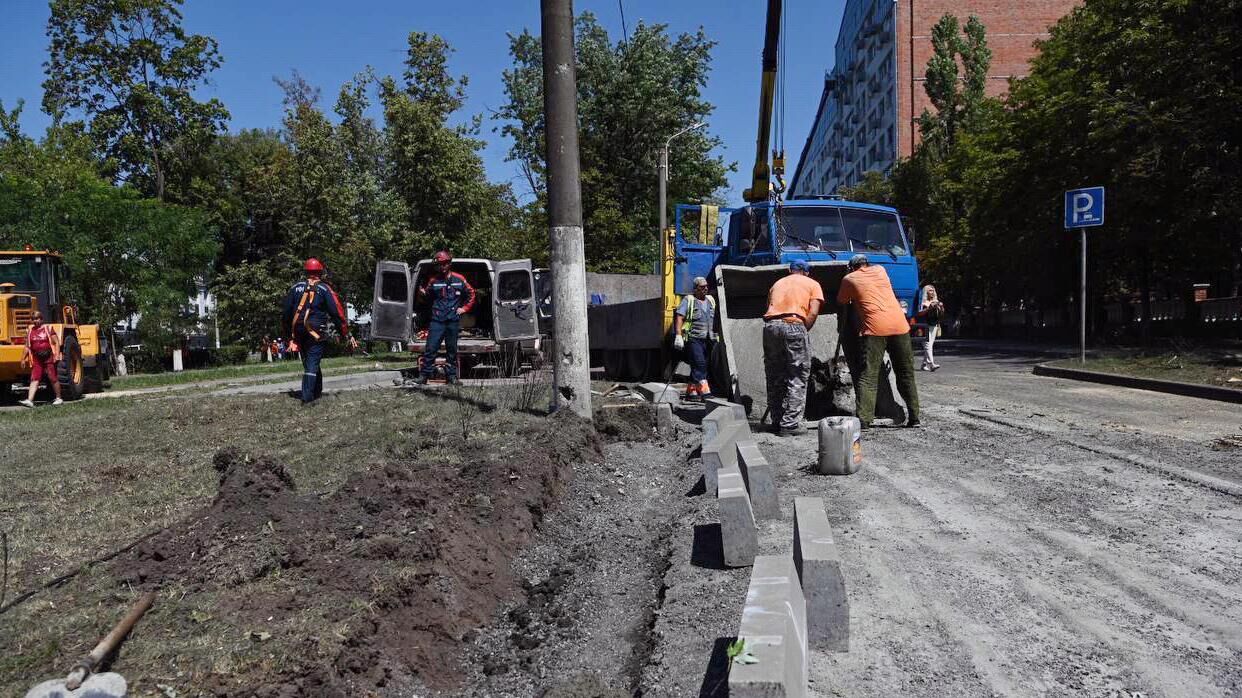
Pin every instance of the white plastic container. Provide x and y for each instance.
(840, 446)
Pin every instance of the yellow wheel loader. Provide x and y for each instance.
(33, 280)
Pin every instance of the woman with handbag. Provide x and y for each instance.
(42, 353)
(932, 312)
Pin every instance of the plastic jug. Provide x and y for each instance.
(840, 446)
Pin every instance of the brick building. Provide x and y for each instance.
(874, 93)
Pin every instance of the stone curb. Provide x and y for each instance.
(658, 392)
(1205, 392)
(739, 537)
(760, 481)
(773, 628)
(818, 562)
(721, 453)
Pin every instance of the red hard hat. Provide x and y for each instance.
(314, 265)
(443, 256)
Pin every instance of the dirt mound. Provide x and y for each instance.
(426, 546)
(636, 422)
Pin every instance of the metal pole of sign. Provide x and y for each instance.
(1082, 302)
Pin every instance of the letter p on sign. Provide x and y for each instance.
(1084, 208)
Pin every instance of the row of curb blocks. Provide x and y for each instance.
(794, 603)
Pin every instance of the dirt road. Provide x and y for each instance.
(983, 559)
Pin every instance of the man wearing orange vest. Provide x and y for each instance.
(312, 312)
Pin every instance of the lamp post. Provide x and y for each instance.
(664, 173)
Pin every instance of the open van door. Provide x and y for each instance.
(513, 301)
(394, 302)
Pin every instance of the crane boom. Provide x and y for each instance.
(761, 173)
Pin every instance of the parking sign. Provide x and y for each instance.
(1084, 208)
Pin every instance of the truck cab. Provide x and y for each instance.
(500, 333)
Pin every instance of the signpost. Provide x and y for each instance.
(1084, 208)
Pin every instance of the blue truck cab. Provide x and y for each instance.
(821, 231)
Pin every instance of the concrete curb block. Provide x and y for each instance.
(1205, 392)
(712, 404)
(713, 422)
(739, 537)
(819, 567)
(659, 392)
(664, 418)
(759, 480)
(773, 628)
(721, 453)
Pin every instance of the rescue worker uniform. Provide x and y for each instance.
(447, 292)
(697, 335)
(312, 312)
(787, 348)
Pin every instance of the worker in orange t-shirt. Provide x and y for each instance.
(793, 306)
(884, 328)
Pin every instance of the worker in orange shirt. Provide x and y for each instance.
(884, 327)
(794, 303)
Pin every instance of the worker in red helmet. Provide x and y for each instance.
(450, 296)
(314, 316)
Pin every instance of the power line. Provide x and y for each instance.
(625, 33)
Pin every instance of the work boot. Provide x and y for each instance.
(791, 431)
(705, 390)
(914, 423)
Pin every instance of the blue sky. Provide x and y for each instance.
(328, 41)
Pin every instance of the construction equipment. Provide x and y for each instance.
(32, 280)
(502, 332)
(107, 685)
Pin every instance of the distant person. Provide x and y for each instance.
(313, 312)
(692, 332)
(450, 296)
(42, 351)
(794, 303)
(884, 328)
(932, 312)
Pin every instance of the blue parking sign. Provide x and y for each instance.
(1084, 208)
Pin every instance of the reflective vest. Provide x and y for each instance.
(688, 322)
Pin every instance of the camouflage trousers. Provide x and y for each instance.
(787, 364)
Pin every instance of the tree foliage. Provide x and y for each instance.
(632, 95)
(131, 70)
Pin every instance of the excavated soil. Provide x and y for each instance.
(428, 547)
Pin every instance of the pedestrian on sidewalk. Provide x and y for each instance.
(313, 313)
(451, 296)
(42, 352)
(932, 312)
(794, 303)
(693, 333)
(884, 328)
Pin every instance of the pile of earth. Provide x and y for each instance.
(427, 546)
(625, 422)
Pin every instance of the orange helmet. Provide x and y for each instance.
(313, 266)
(443, 256)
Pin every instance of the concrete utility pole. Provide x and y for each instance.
(664, 173)
(571, 367)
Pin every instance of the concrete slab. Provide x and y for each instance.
(819, 567)
(759, 480)
(721, 452)
(739, 537)
(658, 392)
(773, 628)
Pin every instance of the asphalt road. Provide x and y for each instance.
(1040, 537)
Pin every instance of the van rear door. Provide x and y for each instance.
(513, 301)
(394, 302)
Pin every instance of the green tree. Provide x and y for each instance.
(632, 95)
(131, 70)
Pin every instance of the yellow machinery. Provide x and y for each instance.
(32, 280)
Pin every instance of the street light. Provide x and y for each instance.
(664, 173)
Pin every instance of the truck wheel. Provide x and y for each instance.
(70, 371)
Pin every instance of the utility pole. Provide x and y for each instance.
(664, 173)
(571, 365)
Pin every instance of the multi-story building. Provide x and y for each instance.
(874, 94)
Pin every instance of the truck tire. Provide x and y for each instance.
(70, 371)
(97, 375)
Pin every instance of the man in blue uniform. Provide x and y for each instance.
(312, 312)
(451, 296)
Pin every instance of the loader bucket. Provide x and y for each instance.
(739, 368)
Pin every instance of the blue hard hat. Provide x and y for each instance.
(799, 265)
